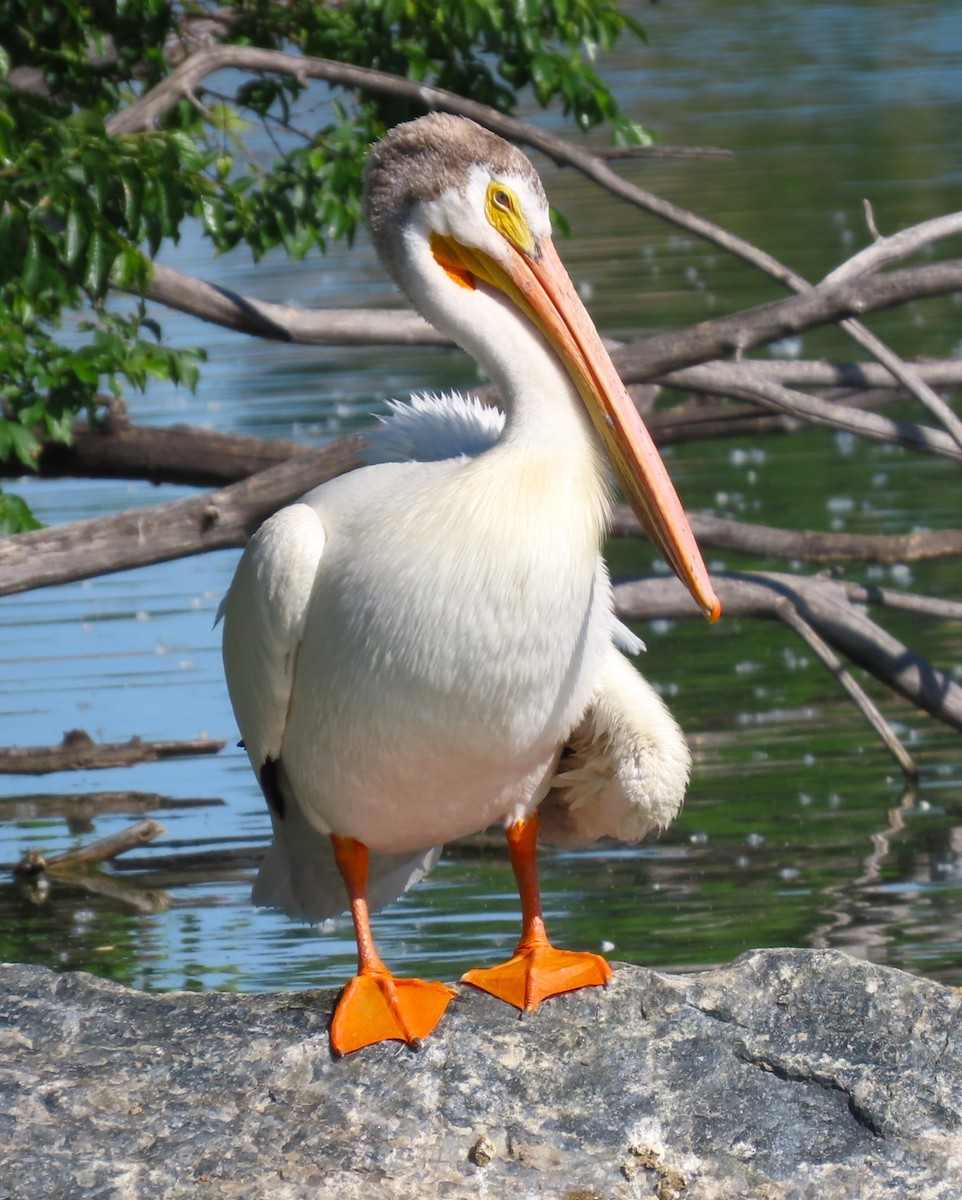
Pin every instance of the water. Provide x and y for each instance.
(797, 830)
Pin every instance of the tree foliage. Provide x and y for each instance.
(84, 212)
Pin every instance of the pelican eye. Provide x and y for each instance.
(504, 214)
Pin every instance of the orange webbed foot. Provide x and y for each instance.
(537, 972)
(377, 1007)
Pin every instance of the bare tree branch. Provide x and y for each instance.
(767, 541)
(205, 458)
(35, 862)
(184, 454)
(657, 355)
(886, 250)
(178, 454)
(611, 153)
(813, 373)
(324, 327)
(928, 606)
(826, 606)
(654, 357)
(881, 253)
(138, 537)
(789, 613)
(287, 322)
(742, 380)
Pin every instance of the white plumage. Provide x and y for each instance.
(431, 428)
(410, 648)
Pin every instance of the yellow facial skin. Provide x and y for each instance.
(504, 213)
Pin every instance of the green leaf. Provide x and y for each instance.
(33, 266)
(22, 444)
(100, 258)
(133, 186)
(212, 211)
(75, 237)
(86, 121)
(97, 178)
(192, 158)
(15, 516)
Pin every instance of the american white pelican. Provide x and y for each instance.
(411, 647)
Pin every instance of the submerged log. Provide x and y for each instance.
(83, 858)
(789, 1073)
(78, 868)
(78, 752)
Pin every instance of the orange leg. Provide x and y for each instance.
(537, 969)
(376, 1007)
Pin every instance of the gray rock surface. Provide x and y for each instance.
(789, 1073)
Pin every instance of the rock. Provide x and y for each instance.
(789, 1073)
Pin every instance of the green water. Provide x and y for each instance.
(797, 830)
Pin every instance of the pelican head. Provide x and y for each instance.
(460, 219)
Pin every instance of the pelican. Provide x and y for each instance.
(427, 645)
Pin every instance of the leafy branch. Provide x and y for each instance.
(94, 182)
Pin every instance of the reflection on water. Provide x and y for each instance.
(796, 830)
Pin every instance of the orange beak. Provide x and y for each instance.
(541, 287)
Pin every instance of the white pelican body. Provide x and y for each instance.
(410, 647)
(457, 718)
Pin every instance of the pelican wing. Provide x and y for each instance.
(624, 769)
(264, 614)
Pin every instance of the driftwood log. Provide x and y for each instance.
(83, 858)
(78, 751)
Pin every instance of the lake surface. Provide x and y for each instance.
(797, 830)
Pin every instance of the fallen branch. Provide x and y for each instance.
(745, 382)
(881, 253)
(138, 537)
(826, 605)
(35, 872)
(221, 306)
(733, 335)
(179, 454)
(81, 809)
(287, 322)
(927, 606)
(767, 541)
(188, 455)
(662, 357)
(203, 458)
(789, 613)
(798, 373)
(79, 752)
(226, 518)
(34, 862)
